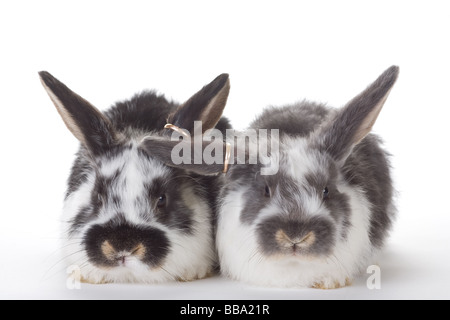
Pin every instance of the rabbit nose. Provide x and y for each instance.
(110, 245)
(112, 254)
(294, 242)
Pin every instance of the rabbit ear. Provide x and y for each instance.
(85, 121)
(168, 152)
(206, 106)
(357, 118)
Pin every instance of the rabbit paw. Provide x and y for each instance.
(331, 284)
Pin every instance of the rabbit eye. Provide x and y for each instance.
(267, 192)
(162, 201)
(325, 193)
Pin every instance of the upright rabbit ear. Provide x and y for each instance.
(357, 118)
(85, 121)
(206, 106)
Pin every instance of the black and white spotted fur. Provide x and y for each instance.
(127, 216)
(323, 217)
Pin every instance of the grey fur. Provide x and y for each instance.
(124, 183)
(368, 167)
(296, 120)
(331, 132)
(307, 213)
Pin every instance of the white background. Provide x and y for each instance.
(275, 52)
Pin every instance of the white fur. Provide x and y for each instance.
(190, 256)
(240, 255)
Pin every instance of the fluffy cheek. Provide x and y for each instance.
(74, 252)
(236, 245)
(192, 253)
(76, 259)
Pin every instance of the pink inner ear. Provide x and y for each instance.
(206, 106)
(356, 119)
(368, 123)
(65, 115)
(214, 110)
(90, 126)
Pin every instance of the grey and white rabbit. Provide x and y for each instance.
(127, 216)
(324, 216)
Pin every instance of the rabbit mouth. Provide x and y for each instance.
(124, 245)
(123, 258)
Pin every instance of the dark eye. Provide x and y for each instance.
(267, 192)
(162, 201)
(325, 193)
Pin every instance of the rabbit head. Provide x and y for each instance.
(127, 216)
